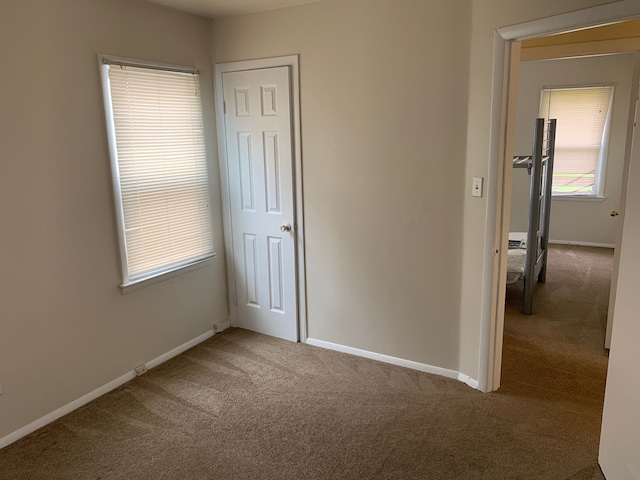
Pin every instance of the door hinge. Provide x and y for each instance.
(224, 107)
(235, 299)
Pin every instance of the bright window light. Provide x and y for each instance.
(156, 136)
(583, 115)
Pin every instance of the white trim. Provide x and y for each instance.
(578, 198)
(220, 327)
(166, 272)
(443, 372)
(491, 330)
(163, 276)
(468, 380)
(632, 120)
(497, 220)
(132, 62)
(98, 392)
(586, 49)
(178, 350)
(583, 244)
(291, 61)
(579, 20)
(226, 195)
(115, 169)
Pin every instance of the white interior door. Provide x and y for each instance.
(261, 190)
(620, 436)
(623, 202)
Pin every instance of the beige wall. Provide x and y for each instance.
(383, 179)
(65, 328)
(396, 246)
(383, 106)
(576, 221)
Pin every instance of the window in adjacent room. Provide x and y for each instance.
(584, 117)
(158, 159)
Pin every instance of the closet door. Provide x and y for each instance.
(259, 164)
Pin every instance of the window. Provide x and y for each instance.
(583, 116)
(156, 138)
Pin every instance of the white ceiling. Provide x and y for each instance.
(218, 8)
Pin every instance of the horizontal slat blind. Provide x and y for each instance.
(162, 169)
(581, 114)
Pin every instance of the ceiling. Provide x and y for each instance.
(218, 8)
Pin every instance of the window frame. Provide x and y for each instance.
(598, 193)
(171, 270)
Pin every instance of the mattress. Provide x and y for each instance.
(517, 255)
(515, 260)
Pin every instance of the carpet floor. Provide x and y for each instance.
(247, 406)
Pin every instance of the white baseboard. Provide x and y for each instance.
(178, 350)
(584, 244)
(472, 382)
(220, 327)
(443, 372)
(98, 392)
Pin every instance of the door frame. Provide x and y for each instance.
(291, 61)
(633, 110)
(506, 55)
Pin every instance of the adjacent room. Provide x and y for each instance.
(558, 348)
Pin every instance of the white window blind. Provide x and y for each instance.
(583, 115)
(160, 169)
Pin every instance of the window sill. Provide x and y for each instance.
(130, 287)
(578, 198)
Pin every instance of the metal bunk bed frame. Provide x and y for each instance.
(540, 167)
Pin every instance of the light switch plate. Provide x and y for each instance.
(476, 189)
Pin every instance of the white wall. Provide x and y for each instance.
(383, 109)
(620, 436)
(65, 328)
(576, 221)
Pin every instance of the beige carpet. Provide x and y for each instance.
(557, 356)
(247, 406)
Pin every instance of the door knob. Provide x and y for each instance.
(615, 213)
(285, 227)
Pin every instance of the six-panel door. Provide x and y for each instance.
(259, 161)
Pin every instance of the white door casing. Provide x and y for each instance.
(623, 198)
(619, 455)
(259, 167)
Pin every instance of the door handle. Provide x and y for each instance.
(615, 213)
(285, 227)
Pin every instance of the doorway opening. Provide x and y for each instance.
(565, 337)
(508, 46)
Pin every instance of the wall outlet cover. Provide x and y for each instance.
(476, 189)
